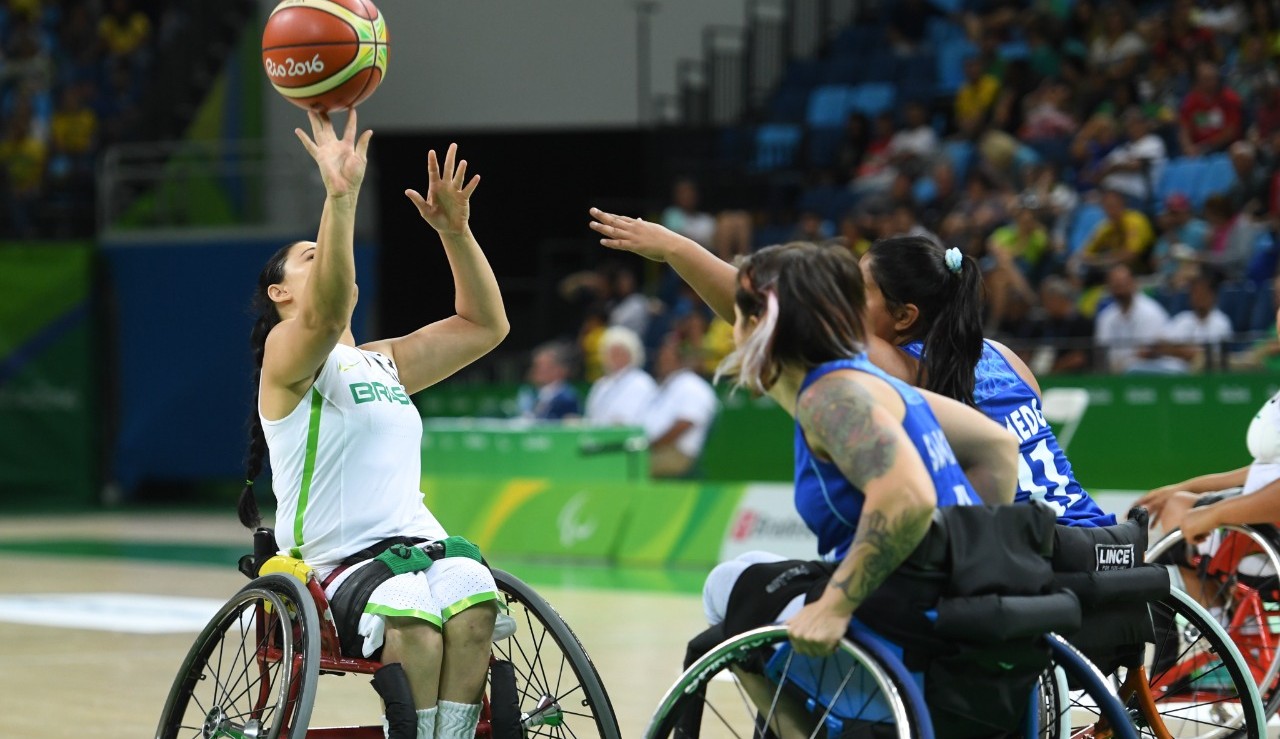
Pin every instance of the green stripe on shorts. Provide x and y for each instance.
(381, 610)
(466, 603)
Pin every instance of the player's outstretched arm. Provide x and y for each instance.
(439, 349)
(710, 276)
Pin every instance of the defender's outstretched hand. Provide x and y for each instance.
(636, 235)
(341, 160)
(447, 206)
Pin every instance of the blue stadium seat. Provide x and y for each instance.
(821, 145)
(770, 235)
(1216, 176)
(940, 30)
(951, 56)
(1084, 220)
(960, 155)
(1236, 300)
(924, 190)
(1014, 50)
(1263, 315)
(878, 66)
(787, 105)
(872, 98)
(841, 69)
(802, 73)
(828, 106)
(776, 146)
(948, 6)
(831, 201)
(1179, 175)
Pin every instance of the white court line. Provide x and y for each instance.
(119, 612)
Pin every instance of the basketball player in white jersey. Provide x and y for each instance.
(344, 439)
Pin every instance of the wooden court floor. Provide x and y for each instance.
(60, 682)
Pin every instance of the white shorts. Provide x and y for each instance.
(722, 578)
(450, 586)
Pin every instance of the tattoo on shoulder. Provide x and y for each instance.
(838, 413)
(879, 547)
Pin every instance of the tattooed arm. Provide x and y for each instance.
(844, 421)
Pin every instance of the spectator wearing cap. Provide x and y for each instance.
(1133, 166)
(1183, 238)
(1124, 237)
(1211, 115)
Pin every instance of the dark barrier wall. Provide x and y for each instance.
(180, 322)
(534, 187)
(48, 376)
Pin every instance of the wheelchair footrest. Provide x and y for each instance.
(993, 619)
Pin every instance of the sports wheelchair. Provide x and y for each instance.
(253, 671)
(1236, 575)
(959, 643)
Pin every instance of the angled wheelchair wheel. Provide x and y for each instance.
(558, 690)
(1077, 701)
(1237, 581)
(252, 671)
(754, 685)
(1196, 683)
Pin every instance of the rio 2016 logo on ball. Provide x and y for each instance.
(325, 55)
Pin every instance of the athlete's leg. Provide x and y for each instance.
(419, 647)
(467, 598)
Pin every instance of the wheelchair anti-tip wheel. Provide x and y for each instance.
(251, 673)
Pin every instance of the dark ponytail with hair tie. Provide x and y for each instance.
(267, 317)
(946, 288)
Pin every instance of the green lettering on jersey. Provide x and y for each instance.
(364, 392)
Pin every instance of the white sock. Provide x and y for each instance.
(427, 723)
(457, 720)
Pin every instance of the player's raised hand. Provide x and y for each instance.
(447, 206)
(341, 160)
(636, 235)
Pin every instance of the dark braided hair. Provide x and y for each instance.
(913, 269)
(266, 318)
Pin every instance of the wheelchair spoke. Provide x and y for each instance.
(777, 694)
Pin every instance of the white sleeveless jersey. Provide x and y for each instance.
(346, 463)
(1264, 444)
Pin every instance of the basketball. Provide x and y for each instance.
(325, 55)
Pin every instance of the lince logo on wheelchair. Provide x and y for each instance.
(253, 671)
(1143, 659)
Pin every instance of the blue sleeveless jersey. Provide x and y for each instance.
(1044, 473)
(831, 505)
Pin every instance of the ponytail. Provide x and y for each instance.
(953, 339)
(267, 318)
(946, 288)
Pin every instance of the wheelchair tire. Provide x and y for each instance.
(1263, 660)
(224, 690)
(1103, 703)
(1202, 688)
(551, 703)
(897, 712)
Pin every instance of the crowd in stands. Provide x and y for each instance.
(1114, 168)
(71, 73)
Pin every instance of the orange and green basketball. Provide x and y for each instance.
(325, 55)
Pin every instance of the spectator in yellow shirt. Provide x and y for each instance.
(124, 30)
(1125, 237)
(975, 97)
(74, 129)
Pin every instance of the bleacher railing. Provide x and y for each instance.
(163, 189)
(741, 66)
